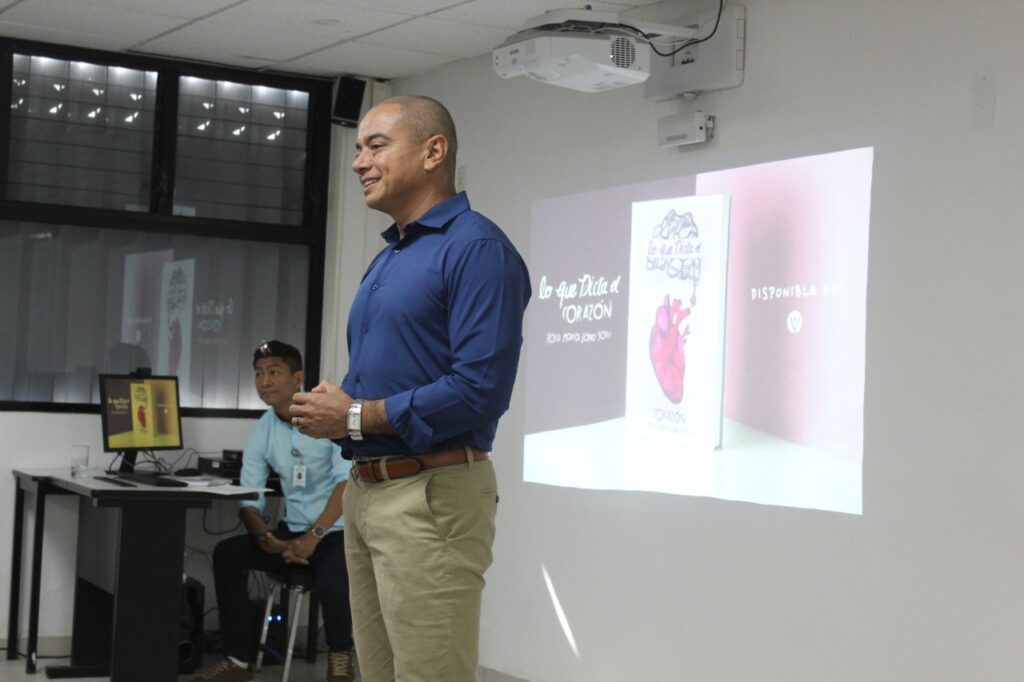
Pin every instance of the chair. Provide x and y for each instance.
(298, 580)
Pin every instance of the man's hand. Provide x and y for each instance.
(270, 544)
(299, 550)
(323, 412)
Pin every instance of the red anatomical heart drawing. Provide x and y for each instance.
(668, 352)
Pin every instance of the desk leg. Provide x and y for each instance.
(37, 575)
(15, 598)
(147, 601)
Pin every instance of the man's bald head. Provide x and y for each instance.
(426, 117)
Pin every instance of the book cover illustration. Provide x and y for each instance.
(174, 355)
(142, 412)
(677, 290)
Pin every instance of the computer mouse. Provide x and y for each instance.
(188, 472)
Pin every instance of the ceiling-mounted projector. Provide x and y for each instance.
(577, 49)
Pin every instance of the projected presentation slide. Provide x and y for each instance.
(704, 335)
(140, 413)
(157, 314)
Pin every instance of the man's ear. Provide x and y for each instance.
(436, 152)
(300, 379)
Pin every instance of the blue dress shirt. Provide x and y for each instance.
(435, 330)
(274, 444)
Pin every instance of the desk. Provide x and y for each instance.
(147, 574)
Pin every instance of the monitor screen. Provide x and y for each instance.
(139, 413)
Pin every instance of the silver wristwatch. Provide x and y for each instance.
(319, 532)
(355, 420)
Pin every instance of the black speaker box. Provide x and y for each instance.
(190, 647)
(348, 101)
(218, 466)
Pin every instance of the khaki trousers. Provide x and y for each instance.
(417, 548)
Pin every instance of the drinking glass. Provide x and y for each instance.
(79, 460)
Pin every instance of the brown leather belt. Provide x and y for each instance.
(400, 466)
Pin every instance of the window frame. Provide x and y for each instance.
(312, 232)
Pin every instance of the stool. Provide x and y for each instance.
(298, 580)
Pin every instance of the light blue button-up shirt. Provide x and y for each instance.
(276, 445)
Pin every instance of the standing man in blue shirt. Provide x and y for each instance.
(312, 483)
(434, 335)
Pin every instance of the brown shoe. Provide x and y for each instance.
(225, 671)
(339, 666)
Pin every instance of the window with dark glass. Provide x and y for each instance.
(155, 214)
(81, 133)
(78, 302)
(241, 151)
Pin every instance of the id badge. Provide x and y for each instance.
(299, 475)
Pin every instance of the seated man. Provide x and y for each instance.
(312, 482)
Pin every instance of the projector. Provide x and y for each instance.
(576, 50)
(588, 63)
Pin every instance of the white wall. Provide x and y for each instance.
(926, 585)
(348, 251)
(42, 440)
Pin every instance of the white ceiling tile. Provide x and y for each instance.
(512, 15)
(237, 40)
(195, 54)
(186, 9)
(306, 17)
(116, 23)
(52, 35)
(440, 37)
(363, 59)
(419, 7)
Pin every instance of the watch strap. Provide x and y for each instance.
(355, 419)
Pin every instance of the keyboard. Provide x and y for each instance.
(151, 478)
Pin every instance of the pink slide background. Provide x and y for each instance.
(798, 224)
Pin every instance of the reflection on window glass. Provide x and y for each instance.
(241, 151)
(81, 301)
(81, 133)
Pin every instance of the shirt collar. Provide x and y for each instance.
(436, 218)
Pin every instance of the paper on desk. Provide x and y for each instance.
(202, 480)
(228, 490)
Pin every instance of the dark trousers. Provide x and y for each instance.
(239, 618)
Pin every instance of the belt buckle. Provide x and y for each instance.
(369, 463)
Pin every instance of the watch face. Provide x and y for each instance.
(319, 532)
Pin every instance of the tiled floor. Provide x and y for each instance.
(14, 671)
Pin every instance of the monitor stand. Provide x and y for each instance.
(128, 459)
(126, 472)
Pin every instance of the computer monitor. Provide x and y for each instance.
(139, 413)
